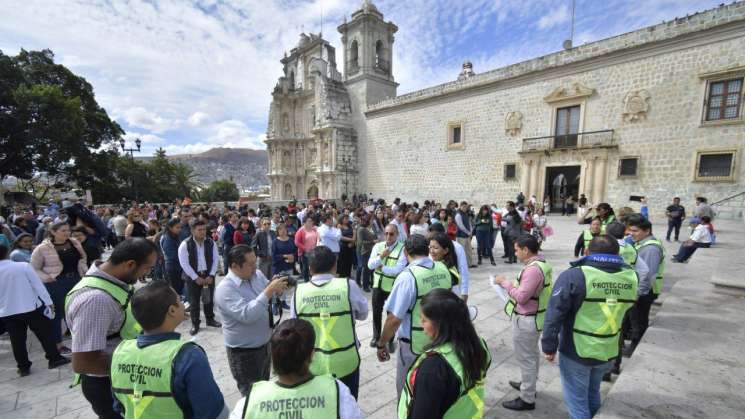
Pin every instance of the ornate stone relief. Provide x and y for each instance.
(513, 123)
(576, 91)
(285, 123)
(635, 106)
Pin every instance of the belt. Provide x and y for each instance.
(405, 340)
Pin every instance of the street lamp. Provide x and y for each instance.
(346, 161)
(131, 152)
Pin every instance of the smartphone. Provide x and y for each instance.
(636, 198)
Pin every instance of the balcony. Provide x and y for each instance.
(592, 139)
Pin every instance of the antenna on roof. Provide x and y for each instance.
(568, 43)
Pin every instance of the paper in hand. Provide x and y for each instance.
(501, 293)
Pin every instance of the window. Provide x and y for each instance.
(628, 166)
(354, 63)
(567, 127)
(455, 135)
(715, 165)
(510, 171)
(724, 100)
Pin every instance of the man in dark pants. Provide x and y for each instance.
(227, 238)
(651, 251)
(197, 256)
(97, 321)
(675, 216)
(387, 260)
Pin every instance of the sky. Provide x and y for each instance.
(190, 75)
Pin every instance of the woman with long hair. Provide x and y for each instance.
(22, 247)
(136, 227)
(292, 345)
(442, 249)
(245, 232)
(448, 379)
(483, 228)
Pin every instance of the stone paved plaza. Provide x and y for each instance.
(45, 393)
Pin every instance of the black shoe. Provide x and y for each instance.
(515, 385)
(508, 261)
(194, 329)
(504, 256)
(374, 342)
(479, 261)
(616, 370)
(606, 377)
(214, 323)
(58, 362)
(367, 289)
(628, 351)
(474, 266)
(493, 263)
(518, 404)
(22, 372)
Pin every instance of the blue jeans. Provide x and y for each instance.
(57, 292)
(581, 386)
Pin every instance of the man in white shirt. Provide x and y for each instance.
(700, 237)
(23, 303)
(328, 234)
(198, 258)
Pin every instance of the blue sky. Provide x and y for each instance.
(189, 75)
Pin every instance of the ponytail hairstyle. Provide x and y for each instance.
(292, 347)
(452, 319)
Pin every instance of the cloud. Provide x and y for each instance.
(554, 18)
(198, 118)
(235, 132)
(142, 118)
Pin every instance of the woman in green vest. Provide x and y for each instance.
(447, 381)
(297, 393)
(584, 239)
(441, 249)
(606, 215)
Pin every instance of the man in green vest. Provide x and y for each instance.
(652, 252)
(158, 375)
(587, 305)
(331, 305)
(529, 296)
(99, 316)
(387, 260)
(404, 316)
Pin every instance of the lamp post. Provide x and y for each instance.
(346, 161)
(131, 152)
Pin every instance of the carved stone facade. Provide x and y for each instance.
(636, 106)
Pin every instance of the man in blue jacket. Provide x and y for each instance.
(586, 308)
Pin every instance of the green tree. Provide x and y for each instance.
(184, 180)
(50, 121)
(220, 190)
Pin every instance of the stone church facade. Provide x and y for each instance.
(656, 112)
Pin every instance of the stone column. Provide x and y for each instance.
(586, 179)
(598, 189)
(525, 170)
(534, 177)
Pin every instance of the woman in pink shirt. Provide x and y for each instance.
(305, 240)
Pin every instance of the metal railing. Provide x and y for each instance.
(727, 198)
(603, 138)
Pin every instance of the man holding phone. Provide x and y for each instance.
(243, 301)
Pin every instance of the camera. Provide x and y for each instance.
(292, 280)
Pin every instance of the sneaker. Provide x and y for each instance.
(64, 351)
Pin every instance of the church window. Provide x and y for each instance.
(455, 135)
(292, 80)
(380, 61)
(628, 166)
(724, 100)
(567, 127)
(354, 61)
(510, 171)
(715, 165)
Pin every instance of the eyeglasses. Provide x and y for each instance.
(390, 234)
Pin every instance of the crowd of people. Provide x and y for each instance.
(313, 263)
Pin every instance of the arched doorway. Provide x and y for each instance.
(313, 191)
(562, 182)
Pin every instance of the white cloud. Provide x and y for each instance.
(142, 118)
(198, 119)
(554, 17)
(131, 136)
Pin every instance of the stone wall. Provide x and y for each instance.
(406, 151)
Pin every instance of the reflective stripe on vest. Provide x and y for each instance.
(470, 402)
(328, 309)
(658, 280)
(425, 280)
(141, 379)
(597, 323)
(587, 236)
(605, 222)
(317, 398)
(543, 297)
(629, 254)
(381, 280)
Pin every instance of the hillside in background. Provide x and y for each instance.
(246, 167)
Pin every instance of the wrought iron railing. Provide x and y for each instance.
(590, 139)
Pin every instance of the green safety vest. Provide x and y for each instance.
(328, 309)
(605, 222)
(597, 324)
(629, 254)
(658, 280)
(317, 398)
(542, 298)
(425, 280)
(587, 236)
(141, 379)
(130, 328)
(454, 275)
(470, 402)
(381, 280)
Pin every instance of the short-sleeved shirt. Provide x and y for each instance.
(403, 297)
(93, 315)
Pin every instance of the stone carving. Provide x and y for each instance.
(286, 161)
(513, 123)
(576, 91)
(285, 123)
(467, 71)
(635, 106)
(311, 162)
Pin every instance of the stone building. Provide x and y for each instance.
(656, 112)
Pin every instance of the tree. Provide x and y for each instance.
(220, 190)
(50, 121)
(184, 180)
